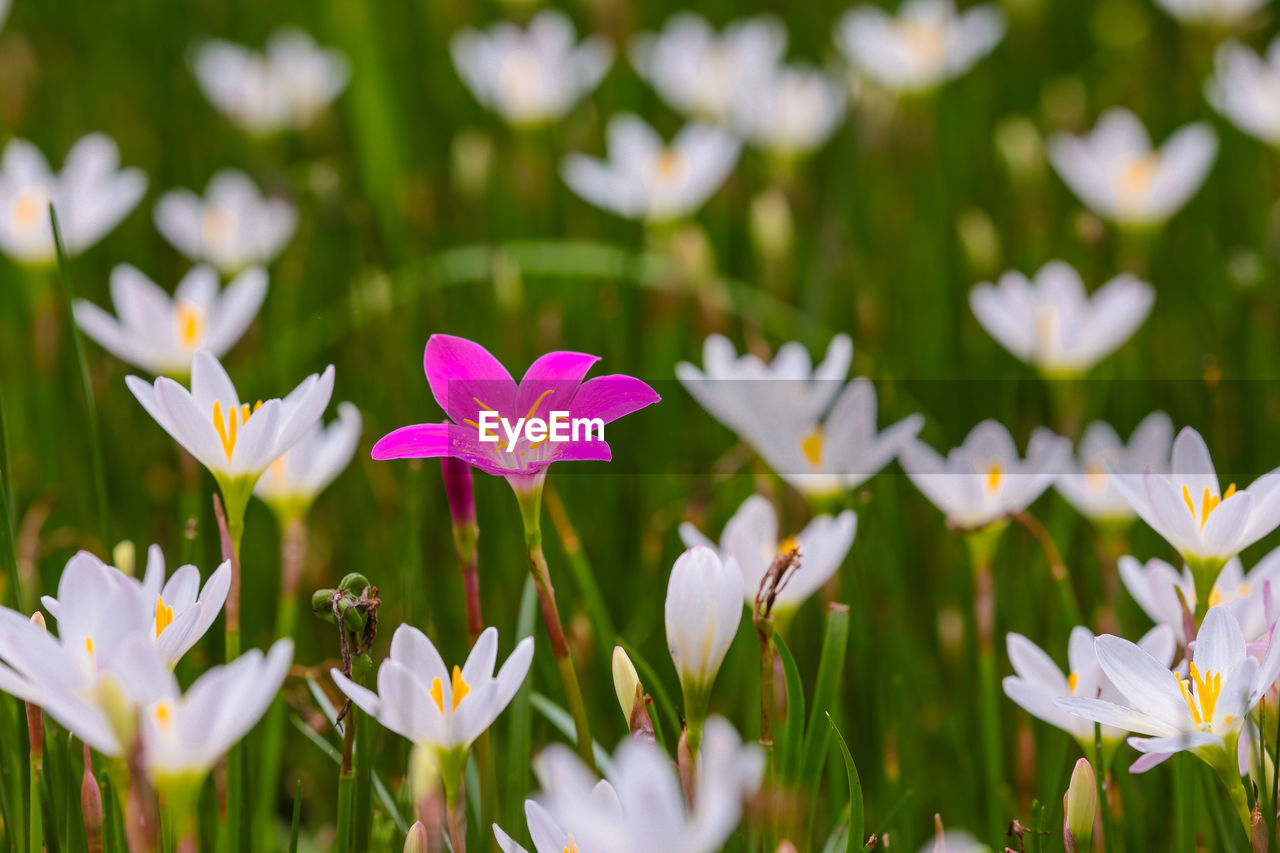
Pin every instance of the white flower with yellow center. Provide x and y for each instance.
(1090, 487)
(283, 87)
(1038, 683)
(232, 227)
(649, 180)
(161, 334)
(750, 538)
(1160, 590)
(1117, 173)
(924, 46)
(790, 111)
(293, 481)
(1212, 13)
(91, 195)
(700, 73)
(234, 440)
(533, 75)
(1202, 713)
(1245, 88)
(984, 480)
(440, 710)
(1051, 322)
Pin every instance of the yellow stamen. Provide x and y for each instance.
(1215, 597)
(787, 544)
(190, 325)
(1205, 698)
(994, 474)
(1137, 178)
(164, 615)
(163, 714)
(1208, 502)
(573, 846)
(923, 39)
(669, 164)
(458, 688)
(811, 446)
(1097, 475)
(88, 645)
(1072, 680)
(537, 403)
(28, 208)
(236, 418)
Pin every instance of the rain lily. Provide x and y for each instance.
(699, 73)
(1039, 684)
(471, 385)
(641, 806)
(790, 111)
(983, 480)
(1202, 714)
(1246, 89)
(159, 333)
(1090, 488)
(954, 841)
(778, 408)
(91, 195)
(1212, 13)
(649, 180)
(924, 46)
(704, 606)
(441, 711)
(1052, 323)
(232, 227)
(284, 87)
(292, 482)
(1206, 525)
(530, 76)
(751, 540)
(1160, 589)
(1117, 173)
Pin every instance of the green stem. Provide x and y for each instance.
(1102, 771)
(1231, 778)
(981, 548)
(8, 550)
(35, 839)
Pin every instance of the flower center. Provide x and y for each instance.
(1202, 701)
(924, 39)
(669, 164)
(811, 446)
(1047, 326)
(227, 429)
(572, 847)
(1135, 180)
(1208, 502)
(217, 224)
(164, 615)
(190, 325)
(1096, 474)
(518, 76)
(995, 475)
(29, 206)
(163, 713)
(1073, 681)
(458, 689)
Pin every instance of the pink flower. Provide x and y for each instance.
(475, 390)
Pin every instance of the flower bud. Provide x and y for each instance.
(416, 841)
(772, 226)
(626, 682)
(458, 488)
(124, 557)
(35, 715)
(1080, 807)
(91, 804)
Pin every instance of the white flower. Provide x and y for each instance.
(751, 539)
(177, 612)
(648, 180)
(283, 87)
(1039, 684)
(159, 333)
(233, 226)
(91, 195)
(534, 75)
(924, 46)
(419, 699)
(1202, 714)
(1185, 505)
(954, 841)
(1090, 488)
(699, 73)
(792, 110)
(1246, 89)
(1119, 176)
(1053, 323)
(784, 410)
(234, 441)
(1212, 12)
(294, 480)
(704, 606)
(641, 807)
(983, 480)
(1156, 586)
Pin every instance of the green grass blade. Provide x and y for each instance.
(791, 745)
(296, 823)
(520, 720)
(857, 817)
(830, 664)
(8, 548)
(562, 721)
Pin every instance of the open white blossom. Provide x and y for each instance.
(790, 111)
(1090, 488)
(1245, 88)
(232, 227)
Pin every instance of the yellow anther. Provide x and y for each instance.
(28, 208)
(994, 475)
(1097, 475)
(811, 446)
(924, 39)
(572, 847)
(1137, 178)
(1205, 698)
(1215, 597)
(1231, 490)
(458, 688)
(669, 164)
(537, 403)
(236, 418)
(88, 645)
(164, 615)
(1208, 502)
(787, 544)
(163, 714)
(1072, 680)
(190, 325)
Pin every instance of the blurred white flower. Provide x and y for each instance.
(750, 538)
(954, 841)
(1038, 683)
(1090, 488)
(784, 410)
(924, 46)
(648, 180)
(234, 441)
(160, 334)
(91, 195)
(1246, 89)
(533, 75)
(284, 87)
(1117, 173)
(983, 480)
(1210, 13)
(233, 226)
(703, 608)
(1053, 323)
(294, 480)
(789, 111)
(1160, 589)
(699, 73)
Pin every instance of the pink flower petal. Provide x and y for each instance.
(611, 397)
(464, 378)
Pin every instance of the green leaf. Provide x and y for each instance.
(520, 721)
(830, 665)
(790, 746)
(857, 816)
